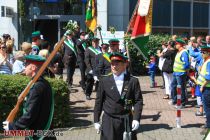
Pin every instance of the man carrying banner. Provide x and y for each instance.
(90, 55)
(70, 57)
(116, 95)
(39, 106)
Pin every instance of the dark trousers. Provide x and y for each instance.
(206, 105)
(89, 84)
(178, 80)
(113, 128)
(82, 68)
(70, 72)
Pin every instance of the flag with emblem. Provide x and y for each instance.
(91, 15)
(141, 25)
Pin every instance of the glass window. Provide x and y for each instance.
(200, 14)
(200, 32)
(2, 11)
(59, 7)
(132, 7)
(182, 32)
(182, 14)
(161, 30)
(161, 12)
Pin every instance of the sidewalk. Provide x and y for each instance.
(158, 118)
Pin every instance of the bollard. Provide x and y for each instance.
(178, 112)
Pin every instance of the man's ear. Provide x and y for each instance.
(33, 67)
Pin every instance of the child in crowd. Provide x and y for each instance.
(152, 70)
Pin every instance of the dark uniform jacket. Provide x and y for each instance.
(69, 55)
(90, 60)
(109, 100)
(38, 106)
(80, 50)
(104, 66)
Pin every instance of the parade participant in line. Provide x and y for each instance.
(81, 47)
(203, 82)
(70, 57)
(116, 95)
(180, 70)
(104, 66)
(90, 55)
(36, 41)
(38, 108)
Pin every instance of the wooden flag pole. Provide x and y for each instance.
(24, 93)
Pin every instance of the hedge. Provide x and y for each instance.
(12, 85)
(138, 63)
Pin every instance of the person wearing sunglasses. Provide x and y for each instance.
(5, 65)
(203, 81)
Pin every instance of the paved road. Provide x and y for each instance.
(158, 118)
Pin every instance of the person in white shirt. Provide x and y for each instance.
(117, 94)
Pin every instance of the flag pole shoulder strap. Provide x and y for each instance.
(106, 56)
(96, 52)
(70, 44)
(84, 45)
(24, 93)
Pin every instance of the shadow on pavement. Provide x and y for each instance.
(78, 115)
(145, 92)
(74, 90)
(151, 127)
(198, 125)
(153, 117)
(75, 102)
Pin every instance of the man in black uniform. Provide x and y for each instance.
(38, 108)
(81, 47)
(70, 57)
(116, 95)
(90, 55)
(104, 66)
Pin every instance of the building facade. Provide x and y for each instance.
(182, 17)
(9, 19)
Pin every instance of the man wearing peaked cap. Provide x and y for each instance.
(203, 81)
(118, 56)
(70, 56)
(90, 61)
(81, 44)
(36, 40)
(117, 93)
(38, 107)
(180, 70)
(36, 34)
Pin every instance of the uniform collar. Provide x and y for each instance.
(120, 77)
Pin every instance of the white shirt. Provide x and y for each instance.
(161, 60)
(18, 67)
(119, 81)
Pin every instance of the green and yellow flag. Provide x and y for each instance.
(91, 15)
